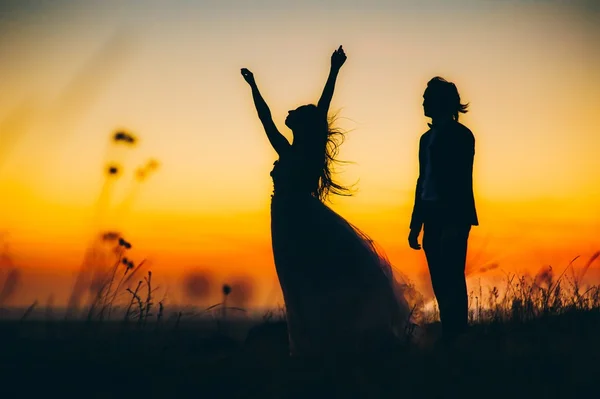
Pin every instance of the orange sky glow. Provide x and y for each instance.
(73, 74)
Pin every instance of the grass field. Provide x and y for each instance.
(539, 339)
(555, 356)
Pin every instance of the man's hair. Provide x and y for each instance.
(446, 95)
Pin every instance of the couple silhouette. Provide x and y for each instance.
(340, 292)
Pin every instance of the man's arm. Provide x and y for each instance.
(416, 221)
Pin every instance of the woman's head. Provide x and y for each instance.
(306, 120)
(319, 144)
(441, 100)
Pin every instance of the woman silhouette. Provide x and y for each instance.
(339, 292)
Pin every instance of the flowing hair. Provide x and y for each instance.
(321, 147)
(334, 138)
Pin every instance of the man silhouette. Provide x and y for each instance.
(444, 202)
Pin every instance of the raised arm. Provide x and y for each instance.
(278, 141)
(337, 60)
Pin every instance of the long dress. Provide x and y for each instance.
(340, 293)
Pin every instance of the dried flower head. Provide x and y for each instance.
(124, 137)
(124, 243)
(226, 289)
(112, 170)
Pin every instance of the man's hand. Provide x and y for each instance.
(338, 58)
(248, 76)
(413, 239)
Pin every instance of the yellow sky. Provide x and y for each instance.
(71, 75)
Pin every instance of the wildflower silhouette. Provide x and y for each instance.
(87, 274)
(124, 137)
(241, 291)
(112, 170)
(124, 243)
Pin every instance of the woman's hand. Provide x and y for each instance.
(248, 76)
(338, 58)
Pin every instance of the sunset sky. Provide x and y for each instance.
(72, 73)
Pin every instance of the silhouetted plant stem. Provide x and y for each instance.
(148, 296)
(134, 298)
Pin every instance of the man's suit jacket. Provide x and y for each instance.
(452, 153)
